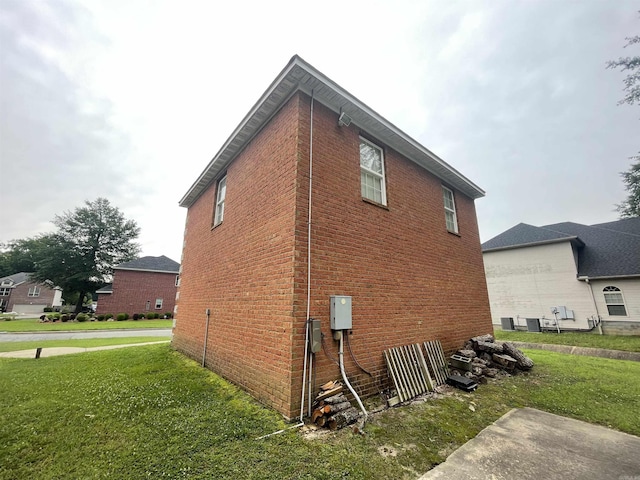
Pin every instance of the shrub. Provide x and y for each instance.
(136, 316)
(82, 317)
(101, 317)
(168, 315)
(64, 318)
(107, 316)
(47, 309)
(50, 316)
(56, 315)
(150, 315)
(121, 316)
(72, 316)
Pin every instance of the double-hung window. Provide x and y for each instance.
(158, 303)
(34, 292)
(450, 216)
(220, 195)
(372, 172)
(4, 291)
(615, 301)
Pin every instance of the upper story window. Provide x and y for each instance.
(4, 292)
(158, 303)
(450, 215)
(372, 172)
(615, 301)
(34, 292)
(220, 195)
(177, 280)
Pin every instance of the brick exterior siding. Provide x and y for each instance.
(20, 296)
(132, 289)
(410, 280)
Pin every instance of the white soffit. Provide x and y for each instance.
(298, 75)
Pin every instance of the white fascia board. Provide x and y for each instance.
(298, 75)
(532, 244)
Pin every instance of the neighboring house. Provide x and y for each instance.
(585, 274)
(147, 284)
(391, 225)
(19, 294)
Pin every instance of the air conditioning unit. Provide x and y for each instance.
(533, 325)
(507, 323)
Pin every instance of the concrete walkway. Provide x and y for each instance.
(55, 351)
(84, 334)
(528, 444)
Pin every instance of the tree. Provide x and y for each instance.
(631, 206)
(89, 242)
(632, 81)
(18, 256)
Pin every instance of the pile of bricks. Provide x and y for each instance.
(483, 357)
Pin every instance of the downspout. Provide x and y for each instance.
(595, 304)
(306, 340)
(206, 336)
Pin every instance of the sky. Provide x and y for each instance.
(130, 100)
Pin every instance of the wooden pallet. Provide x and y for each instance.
(408, 371)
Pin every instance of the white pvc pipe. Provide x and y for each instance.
(344, 375)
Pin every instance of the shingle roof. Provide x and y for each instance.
(17, 278)
(151, 264)
(609, 249)
(298, 75)
(108, 288)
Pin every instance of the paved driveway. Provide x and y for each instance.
(82, 334)
(530, 444)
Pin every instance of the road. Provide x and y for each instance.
(82, 334)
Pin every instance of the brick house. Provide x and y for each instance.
(19, 294)
(147, 284)
(391, 225)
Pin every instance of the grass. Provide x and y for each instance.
(82, 343)
(149, 412)
(34, 325)
(611, 342)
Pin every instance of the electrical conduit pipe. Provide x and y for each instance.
(344, 376)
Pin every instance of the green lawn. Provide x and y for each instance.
(147, 412)
(611, 342)
(34, 325)
(82, 343)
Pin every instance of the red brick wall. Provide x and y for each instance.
(132, 289)
(20, 296)
(409, 278)
(242, 270)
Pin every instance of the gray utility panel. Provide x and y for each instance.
(533, 325)
(340, 312)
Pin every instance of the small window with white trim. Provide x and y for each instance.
(450, 216)
(372, 172)
(4, 291)
(34, 292)
(158, 303)
(615, 301)
(177, 280)
(221, 193)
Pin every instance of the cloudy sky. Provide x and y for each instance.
(131, 99)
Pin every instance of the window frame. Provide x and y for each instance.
(218, 211)
(613, 290)
(158, 305)
(449, 210)
(366, 170)
(33, 291)
(178, 280)
(5, 291)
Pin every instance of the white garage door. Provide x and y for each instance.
(28, 308)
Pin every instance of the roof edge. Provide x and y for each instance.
(534, 244)
(146, 270)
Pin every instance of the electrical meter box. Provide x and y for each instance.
(340, 312)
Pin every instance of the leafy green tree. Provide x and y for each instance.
(632, 80)
(80, 256)
(18, 256)
(631, 206)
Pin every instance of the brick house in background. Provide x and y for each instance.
(19, 294)
(147, 284)
(391, 225)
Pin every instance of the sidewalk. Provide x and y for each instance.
(54, 351)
